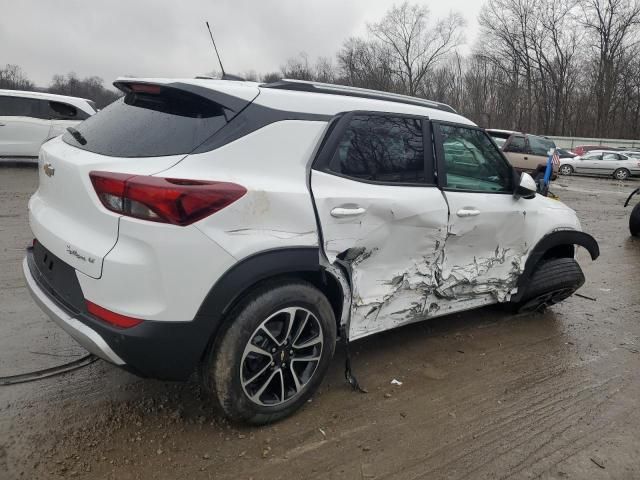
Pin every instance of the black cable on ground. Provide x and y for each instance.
(48, 372)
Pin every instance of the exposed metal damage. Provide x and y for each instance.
(427, 286)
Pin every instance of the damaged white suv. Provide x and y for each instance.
(236, 229)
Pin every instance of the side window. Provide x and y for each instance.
(516, 144)
(472, 161)
(610, 156)
(381, 148)
(64, 111)
(20, 107)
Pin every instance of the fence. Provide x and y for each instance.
(570, 142)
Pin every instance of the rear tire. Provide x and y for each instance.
(565, 170)
(246, 357)
(634, 221)
(553, 280)
(621, 174)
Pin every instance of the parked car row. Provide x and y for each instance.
(28, 119)
(529, 153)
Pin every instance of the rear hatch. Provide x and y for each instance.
(154, 126)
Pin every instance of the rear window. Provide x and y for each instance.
(173, 122)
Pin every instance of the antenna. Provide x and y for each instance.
(216, 49)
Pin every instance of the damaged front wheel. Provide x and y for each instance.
(553, 280)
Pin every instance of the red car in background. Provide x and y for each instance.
(582, 149)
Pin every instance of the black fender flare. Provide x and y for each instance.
(637, 190)
(171, 350)
(546, 243)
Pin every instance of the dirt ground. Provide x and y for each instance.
(483, 395)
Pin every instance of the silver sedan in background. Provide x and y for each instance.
(619, 165)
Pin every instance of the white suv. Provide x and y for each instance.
(28, 119)
(237, 229)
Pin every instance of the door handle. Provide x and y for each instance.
(342, 212)
(526, 158)
(1, 124)
(468, 212)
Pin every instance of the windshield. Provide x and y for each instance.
(540, 145)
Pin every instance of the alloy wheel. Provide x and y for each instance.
(621, 174)
(281, 356)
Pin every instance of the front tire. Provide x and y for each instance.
(566, 170)
(553, 281)
(634, 221)
(273, 354)
(621, 174)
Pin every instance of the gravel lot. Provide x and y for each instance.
(484, 394)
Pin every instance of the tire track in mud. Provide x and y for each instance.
(522, 423)
(554, 374)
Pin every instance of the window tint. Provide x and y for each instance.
(381, 148)
(473, 162)
(517, 145)
(539, 146)
(172, 122)
(23, 107)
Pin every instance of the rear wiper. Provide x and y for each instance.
(77, 135)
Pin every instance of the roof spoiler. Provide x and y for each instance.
(231, 104)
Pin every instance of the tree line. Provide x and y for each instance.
(552, 67)
(13, 78)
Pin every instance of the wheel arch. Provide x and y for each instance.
(557, 244)
(301, 263)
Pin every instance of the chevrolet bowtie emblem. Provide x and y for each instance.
(49, 170)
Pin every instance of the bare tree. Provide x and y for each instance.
(416, 44)
(613, 27)
(90, 87)
(13, 78)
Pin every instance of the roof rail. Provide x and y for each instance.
(329, 88)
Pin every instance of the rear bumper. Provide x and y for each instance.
(154, 349)
(83, 334)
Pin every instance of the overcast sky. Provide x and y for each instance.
(159, 38)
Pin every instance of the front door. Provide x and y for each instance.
(381, 216)
(488, 229)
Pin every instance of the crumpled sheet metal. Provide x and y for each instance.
(402, 288)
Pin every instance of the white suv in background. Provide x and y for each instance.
(236, 229)
(28, 119)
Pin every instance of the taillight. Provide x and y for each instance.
(167, 200)
(113, 318)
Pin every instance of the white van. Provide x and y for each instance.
(28, 119)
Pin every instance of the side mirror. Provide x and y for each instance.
(526, 187)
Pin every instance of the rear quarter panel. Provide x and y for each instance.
(271, 163)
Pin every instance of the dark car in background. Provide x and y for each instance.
(564, 153)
